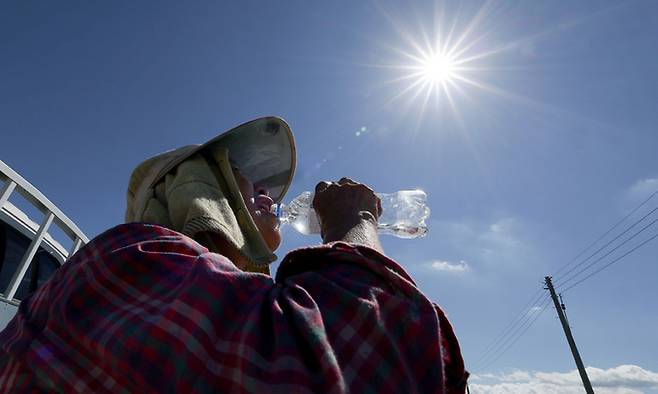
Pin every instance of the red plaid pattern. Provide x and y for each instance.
(146, 309)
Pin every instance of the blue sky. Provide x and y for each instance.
(542, 142)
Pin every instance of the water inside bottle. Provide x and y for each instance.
(402, 231)
(403, 214)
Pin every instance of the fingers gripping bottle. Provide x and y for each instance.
(403, 214)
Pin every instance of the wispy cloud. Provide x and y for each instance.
(442, 265)
(640, 190)
(501, 247)
(496, 243)
(623, 379)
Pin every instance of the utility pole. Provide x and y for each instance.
(567, 332)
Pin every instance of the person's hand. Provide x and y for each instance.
(348, 211)
(336, 201)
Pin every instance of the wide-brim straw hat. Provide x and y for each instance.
(263, 149)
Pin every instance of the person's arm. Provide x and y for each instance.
(348, 212)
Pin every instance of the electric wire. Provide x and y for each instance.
(508, 333)
(527, 327)
(530, 323)
(588, 266)
(606, 245)
(497, 346)
(500, 337)
(636, 247)
(513, 336)
(602, 236)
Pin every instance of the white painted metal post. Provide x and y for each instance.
(29, 255)
(76, 246)
(6, 192)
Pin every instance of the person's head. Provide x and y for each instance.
(220, 193)
(259, 203)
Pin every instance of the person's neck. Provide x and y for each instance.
(217, 244)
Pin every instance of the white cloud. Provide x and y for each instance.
(623, 379)
(641, 189)
(496, 243)
(517, 376)
(441, 265)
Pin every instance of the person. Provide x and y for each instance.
(179, 298)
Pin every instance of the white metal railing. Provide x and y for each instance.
(16, 183)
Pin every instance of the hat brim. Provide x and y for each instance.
(263, 149)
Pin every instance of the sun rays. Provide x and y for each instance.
(434, 67)
(456, 53)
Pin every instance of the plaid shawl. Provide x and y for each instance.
(145, 309)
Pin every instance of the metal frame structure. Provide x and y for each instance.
(38, 233)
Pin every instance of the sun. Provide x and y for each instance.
(434, 71)
(442, 63)
(438, 68)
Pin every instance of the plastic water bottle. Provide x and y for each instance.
(403, 214)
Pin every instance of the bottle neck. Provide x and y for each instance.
(280, 213)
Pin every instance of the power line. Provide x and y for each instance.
(607, 244)
(525, 329)
(523, 320)
(494, 343)
(607, 232)
(513, 336)
(588, 266)
(612, 262)
(523, 317)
